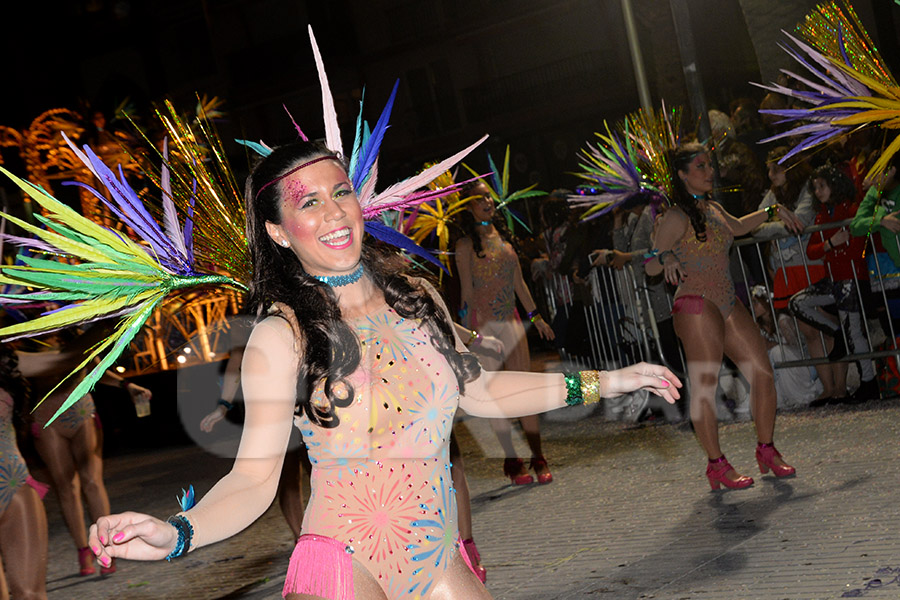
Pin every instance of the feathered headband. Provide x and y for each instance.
(629, 164)
(103, 273)
(363, 170)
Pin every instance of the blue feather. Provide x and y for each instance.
(369, 153)
(256, 147)
(495, 175)
(187, 500)
(358, 141)
(391, 236)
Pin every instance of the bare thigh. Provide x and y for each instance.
(459, 583)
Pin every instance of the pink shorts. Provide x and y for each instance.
(690, 304)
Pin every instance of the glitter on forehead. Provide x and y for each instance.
(294, 189)
(294, 170)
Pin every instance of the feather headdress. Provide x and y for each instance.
(102, 273)
(99, 273)
(848, 86)
(612, 171)
(363, 169)
(498, 185)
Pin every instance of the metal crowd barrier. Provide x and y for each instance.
(621, 328)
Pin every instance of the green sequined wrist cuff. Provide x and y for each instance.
(573, 389)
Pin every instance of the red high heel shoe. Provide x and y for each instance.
(86, 561)
(104, 571)
(513, 468)
(539, 463)
(716, 471)
(474, 559)
(765, 458)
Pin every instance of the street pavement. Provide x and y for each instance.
(629, 514)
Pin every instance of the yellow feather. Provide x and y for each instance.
(78, 313)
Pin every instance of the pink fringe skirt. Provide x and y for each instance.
(320, 566)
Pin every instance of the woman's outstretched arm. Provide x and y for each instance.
(269, 376)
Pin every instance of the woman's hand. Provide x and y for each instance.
(138, 394)
(789, 219)
(544, 330)
(491, 344)
(891, 222)
(601, 258)
(210, 420)
(840, 238)
(654, 378)
(672, 269)
(131, 535)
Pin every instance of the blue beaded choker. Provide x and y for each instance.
(342, 280)
(698, 196)
(484, 223)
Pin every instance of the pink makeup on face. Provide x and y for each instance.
(295, 190)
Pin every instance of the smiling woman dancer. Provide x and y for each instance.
(370, 357)
(692, 244)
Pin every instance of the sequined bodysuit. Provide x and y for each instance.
(381, 479)
(492, 310)
(13, 471)
(705, 264)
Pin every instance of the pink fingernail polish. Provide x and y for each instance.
(95, 550)
(102, 540)
(104, 561)
(118, 537)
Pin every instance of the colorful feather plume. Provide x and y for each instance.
(613, 174)
(848, 86)
(432, 220)
(363, 169)
(196, 176)
(498, 185)
(99, 273)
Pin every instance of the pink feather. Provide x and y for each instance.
(393, 196)
(332, 129)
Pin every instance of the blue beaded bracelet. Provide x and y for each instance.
(228, 405)
(185, 535)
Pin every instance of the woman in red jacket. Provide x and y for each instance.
(843, 256)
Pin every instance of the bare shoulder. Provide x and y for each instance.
(274, 336)
(464, 244)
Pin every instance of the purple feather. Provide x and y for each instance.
(391, 236)
(369, 153)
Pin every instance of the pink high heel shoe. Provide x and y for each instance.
(539, 463)
(765, 458)
(513, 467)
(474, 559)
(86, 562)
(716, 471)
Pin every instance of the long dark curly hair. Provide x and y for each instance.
(680, 160)
(331, 351)
(470, 227)
(841, 185)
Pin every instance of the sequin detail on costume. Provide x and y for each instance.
(705, 264)
(13, 471)
(381, 479)
(494, 279)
